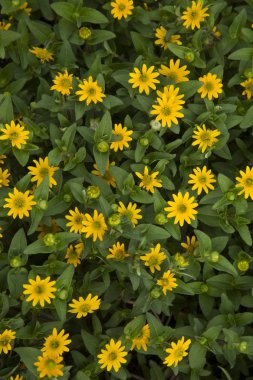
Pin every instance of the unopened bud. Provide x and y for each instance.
(93, 192)
(49, 240)
(84, 33)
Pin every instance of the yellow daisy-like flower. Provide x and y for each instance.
(4, 175)
(245, 182)
(76, 219)
(149, 180)
(154, 258)
(45, 229)
(118, 252)
(160, 33)
(40, 291)
(144, 79)
(94, 226)
(6, 338)
(216, 32)
(182, 208)
(56, 343)
(25, 7)
(180, 260)
(50, 366)
(1, 228)
(177, 352)
(174, 72)
(107, 177)
(42, 54)
(41, 169)
(2, 158)
(131, 212)
(194, 15)
(202, 179)
(122, 8)
(17, 377)
(168, 107)
(190, 244)
(63, 83)
(141, 341)
(248, 85)
(211, 86)
(167, 282)
(82, 307)
(19, 203)
(73, 254)
(5, 25)
(90, 91)
(112, 356)
(123, 137)
(15, 133)
(205, 137)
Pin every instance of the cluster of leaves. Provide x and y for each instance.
(212, 304)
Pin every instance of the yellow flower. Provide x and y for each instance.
(45, 229)
(131, 212)
(49, 365)
(205, 137)
(4, 175)
(94, 226)
(17, 377)
(6, 338)
(41, 169)
(144, 78)
(1, 228)
(180, 260)
(19, 203)
(122, 8)
(63, 83)
(167, 282)
(154, 258)
(160, 33)
(90, 91)
(245, 182)
(4, 25)
(149, 181)
(40, 291)
(177, 352)
(108, 177)
(2, 158)
(24, 7)
(191, 244)
(174, 72)
(42, 53)
(194, 15)
(82, 307)
(141, 341)
(15, 133)
(216, 32)
(248, 85)
(74, 253)
(118, 252)
(56, 344)
(76, 219)
(112, 356)
(168, 107)
(202, 179)
(211, 86)
(123, 137)
(182, 208)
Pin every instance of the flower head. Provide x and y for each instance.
(4, 177)
(175, 73)
(82, 307)
(63, 83)
(194, 15)
(123, 137)
(50, 366)
(15, 133)
(122, 8)
(205, 137)
(112, 356)
(17, 377)
(6, 338)
(107, 176)
(131, 212)
(94, 226)
(118, 252)
(41, 169)
(56, 343)
(19, 203)
(211, 86)
(248, 87)
(177, 352)
(245, 182)
(40, 291)
(202, 180)
(190, 244)
(142, 339)
(160, 33)
(73, 254)
(76, 219)
(42, 54)
(5, 25)
(167, 282)
(144, 79)
(149, 180)
(2, 158)
(154, 258)
(90, 91)
(182, 208)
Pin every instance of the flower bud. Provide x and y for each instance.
(155, 293)
(248, 73)
(189, 56)
(144, 141)
(63, 294)
(243, 347)
(214, 256)
(42, 204)
(145, 161)
(49, 240)
(16, 262)
(114, 220)
(203, 288)
(155, 125)
(93, 192)
(161, 219)
(67, 198)
(243, 265)
(15, 3)
(202, 340)
(84, 33)
(114, 207)
(230, 196)
(103, 146)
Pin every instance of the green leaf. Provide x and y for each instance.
(205, 243)
(99, 36)
(90, 341)
(247, 120)
(6, 108)
(243, 54)
(92, 15)
(29, 356)
(133, 328)
(65, 10)
(197, 356)
(225, 183)
(238, 22)
(224, 265)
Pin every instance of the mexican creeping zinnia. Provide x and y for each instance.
(19, 203)
(56, 343)
(6, 338)
(49, 366)
(76, 219)
(112, 356)
(202, 180)
(41, 169)
(168, 107)
(94, 226)
(42, 54)
(131, 212)
(154, 258)
(174, 73)
(182, 208)
(190, 244)
(82, 307)
(245, 182)
(204, 137)
(122, 8)
(144, 79)
(177, 352)
(107, 176)
(123, 136)
(160, 33)
(248, 87)
(167, 282)
(17, 377)
(63, 83)
(40, 291)
(15, 133)
(141, 341)
(149, 180)
(90, 91)
(194, 15)
(117, 252)
(211, 86)
(73, 254)
(4, 177)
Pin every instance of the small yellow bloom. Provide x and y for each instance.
(190, 244)
(82, 307)
(248, 85)
(15, 133)
(131, 212)
(107, 177)
(2, 158)
(194, 15)
(182, 208)
(123, 137)
(245, 182)
(216, 32)
(41, 169)
(49, 365)
(42, 54)
(73, 254)
(112, 356)
(180, 260)
(56, 343)
(160, 33)
(19, 203)
(205, 137)
(17, 377)
(202, 179)
(177, 352)
(6, 338)
(40, 291)
(5, 25)
(211, 86)
(4, 177)
(63, 83)
(142, 339)
(90, 91)
(154, 258)
(1, 228)
(167, 282)
(26, 8)
(118, 252)
(94, 226)
(144, 79)
(76, 219)
(175, 73)
(149, 180)
(122, 8)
